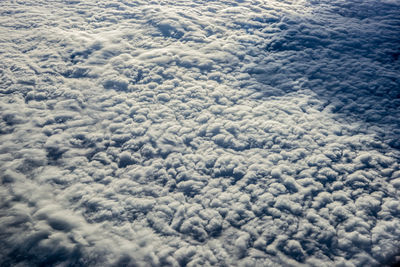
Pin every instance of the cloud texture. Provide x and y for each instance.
(199, 133)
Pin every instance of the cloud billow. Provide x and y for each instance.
(199, 133)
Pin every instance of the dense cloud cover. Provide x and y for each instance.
(199, 133)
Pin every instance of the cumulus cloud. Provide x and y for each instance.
(186, 133)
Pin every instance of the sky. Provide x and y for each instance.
(199, 133)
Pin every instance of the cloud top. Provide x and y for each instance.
(199, 133)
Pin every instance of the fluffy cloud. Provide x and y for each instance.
(199, 133)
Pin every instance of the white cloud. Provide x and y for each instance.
(199, 133)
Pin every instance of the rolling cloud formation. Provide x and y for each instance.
(199, 133)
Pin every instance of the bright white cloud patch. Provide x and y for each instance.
(199, 133)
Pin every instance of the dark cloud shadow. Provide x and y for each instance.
(346, 54)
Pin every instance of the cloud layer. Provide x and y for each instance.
(199, 133)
